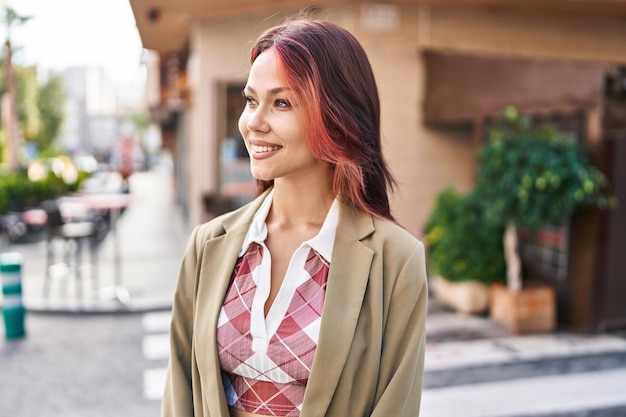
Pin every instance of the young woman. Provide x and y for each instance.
(310, 300)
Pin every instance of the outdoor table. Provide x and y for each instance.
(114, 202)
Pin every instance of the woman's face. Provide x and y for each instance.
(272, 125)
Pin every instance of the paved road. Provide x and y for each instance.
(76, 366)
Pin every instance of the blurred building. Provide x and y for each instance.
(445, 68)
(96, 118)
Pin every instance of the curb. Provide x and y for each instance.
(96, 307)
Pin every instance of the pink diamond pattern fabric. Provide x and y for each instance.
(274, 382)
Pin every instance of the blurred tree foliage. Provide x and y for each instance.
(140, 120)
(533, 176)
(40, 106)
(27, 110)
(51, 104)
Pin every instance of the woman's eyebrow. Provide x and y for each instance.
(272, 91)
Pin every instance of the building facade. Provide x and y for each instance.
(444, 70)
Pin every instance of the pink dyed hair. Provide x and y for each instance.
(328, 70)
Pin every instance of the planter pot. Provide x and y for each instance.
(468, 297)
(530, 310)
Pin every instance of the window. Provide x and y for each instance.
(235, 178)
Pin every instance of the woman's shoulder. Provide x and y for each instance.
(398, 250)
(375, 231)
(394, 232)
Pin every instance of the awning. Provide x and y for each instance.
(466, 88)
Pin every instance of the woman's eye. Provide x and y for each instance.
(282, 103)
(249, 100)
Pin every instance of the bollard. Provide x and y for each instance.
(12, 307)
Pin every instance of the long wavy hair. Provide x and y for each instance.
(328, 69)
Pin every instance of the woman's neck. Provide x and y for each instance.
(303, 206)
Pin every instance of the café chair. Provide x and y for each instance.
(72, 235)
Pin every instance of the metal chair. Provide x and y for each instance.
(72, 235)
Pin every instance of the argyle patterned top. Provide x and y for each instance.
(270, 378)
(266, 360)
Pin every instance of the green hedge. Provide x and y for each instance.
(18, 192)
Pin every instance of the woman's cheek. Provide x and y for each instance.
(242, 125)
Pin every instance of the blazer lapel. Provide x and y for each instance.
(219, 256)
(347, 281)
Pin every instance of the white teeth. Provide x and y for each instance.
(257, 148)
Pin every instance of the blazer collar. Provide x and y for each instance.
(244, 216)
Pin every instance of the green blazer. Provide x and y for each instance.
(370, 354)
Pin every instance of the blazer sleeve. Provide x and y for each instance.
(178, 399)
(402, 362)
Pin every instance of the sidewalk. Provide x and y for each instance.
(152, 237)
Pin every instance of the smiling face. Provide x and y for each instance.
(272, 125)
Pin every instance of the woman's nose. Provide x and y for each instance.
(257, 120)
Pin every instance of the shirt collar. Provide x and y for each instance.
(322, 243)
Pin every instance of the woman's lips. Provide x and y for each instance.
(263, 150)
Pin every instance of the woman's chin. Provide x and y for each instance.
(260, 173)
(262, 177)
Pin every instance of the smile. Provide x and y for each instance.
(262, 149)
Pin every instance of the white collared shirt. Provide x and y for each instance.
(263, 328)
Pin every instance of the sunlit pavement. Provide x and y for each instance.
(474, 368)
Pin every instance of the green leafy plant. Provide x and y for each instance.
(462, 246)
(533, 176)
(18, 192)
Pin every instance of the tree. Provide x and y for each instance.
(533, 177)
(28, 117)
(51, 104)
(10, 108)
(40, 107)
(140, 120)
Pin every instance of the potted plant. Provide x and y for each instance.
(532, 177)
(464, 252)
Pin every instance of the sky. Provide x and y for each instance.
(84, 33)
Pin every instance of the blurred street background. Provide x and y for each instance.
(119, 134)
